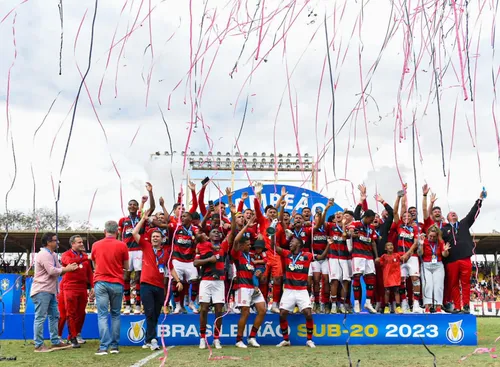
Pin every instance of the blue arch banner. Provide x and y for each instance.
(298, 198)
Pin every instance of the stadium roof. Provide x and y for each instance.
(20, 241)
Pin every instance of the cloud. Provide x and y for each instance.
(281, 91)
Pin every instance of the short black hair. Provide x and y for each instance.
(188, 213)
(412, 207)
(47, 237)
(195, 216)
(436, 207)
(215, 216)
(331, 218)
(369, 214)
(306, 208)
(269, 207)
(133, 200)
(350, 212)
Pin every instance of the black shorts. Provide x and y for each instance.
(392, 289)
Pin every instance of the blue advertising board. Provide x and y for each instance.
(10, 285)
(363, 329)
(298, 198)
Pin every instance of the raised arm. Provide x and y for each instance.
(404, 200)
(194, 200)
(241, 204)
(396, 206)
(165, 211)
(281, 198)
(362, 202)
(201, 200)
(241, 233)
(474, 212)
(152, 203)
(425, 209)
(138, 226)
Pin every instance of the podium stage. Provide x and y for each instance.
(363, 329)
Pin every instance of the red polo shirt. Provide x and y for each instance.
(81, 278)
(108, 256)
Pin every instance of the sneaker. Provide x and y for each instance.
(405, 306)
(369, 307)
(357, 309)
(284, 343)
(59, 346)
(154, 345)
(42, 349)
(274, 308)
(387, 310)
(399, 310)
(203, 343)
(80, 339)
(193, 307)
(74, 343)
(296, 310)
(240, 344)
(114, 351)
(310, 344)
(342, 308)
(439, 310)
(137, 310)
(101, 352)
(333, 310)
(449, 307)
(166, 310)
(217, 344)
(146, 346)
(177, 309)
(417, 308)
(466, 309)
(253, 343)
(127, 310)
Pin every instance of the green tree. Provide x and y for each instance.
(44, 219)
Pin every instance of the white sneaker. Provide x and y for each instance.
(137, 310)
(203, 344)
(333, 310)
(310, 344)
(217, 344)
(284, 343)
(417, 308)
(146, 346)
(405, 306)
(193, 308)
(253, 343)
(357, 309)
(235, 310)
(177, 310)
(369, 307)
(240, 344)
(80, 340)
(127, 310)
(341, 308)
(275, 308)
(154, 345)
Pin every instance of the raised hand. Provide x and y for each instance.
(244, 196)
(144, 199)
(425, 189)
(379, 198)
(362, 191)
(258, 187)
(192, 186)
(283, 191)
(447, 247)
(149, 187)
(162, 202)
(433, 198)
(331, 202)
(229, 192)
(232, 208)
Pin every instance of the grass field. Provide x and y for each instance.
(297, 356)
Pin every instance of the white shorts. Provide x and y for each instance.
(245, 297)
(186, 271)
(363, 266)
(212, 291)
(292, 298)
(135, 260)
(319, 266)
(340, 269)
(410, 268)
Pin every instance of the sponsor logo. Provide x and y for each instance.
(455, 333)
(5, 284)
(136, 332)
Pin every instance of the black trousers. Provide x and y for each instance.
(152, 300)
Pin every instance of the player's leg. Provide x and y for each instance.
(358, 265)
(284, 328)
(325, 287)
(370, 282)
(387, 297)
(395, 293)
(260, 307)
(307, 312)
(137, 280)
(195, 286)
(219, 312)
(416, 294)
(183, 275)
(402, 288)
(242, 322)
(277, 274)
(316, 287)
(126, 287)
(287, 304)
(465, 269)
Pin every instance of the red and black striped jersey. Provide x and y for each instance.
(258, 257)
(303, 233)
(296, 269)
(244, 268)
(406, 237)
(320, 239)
(362, 244)
(213, 271)
(183, 246)
(125, 227)
(338, 249)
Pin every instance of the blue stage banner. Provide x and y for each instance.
(298, 198)
(11, 285)
(364, 329)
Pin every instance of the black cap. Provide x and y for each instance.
(259, 244)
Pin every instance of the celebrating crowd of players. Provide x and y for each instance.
(313, 262)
